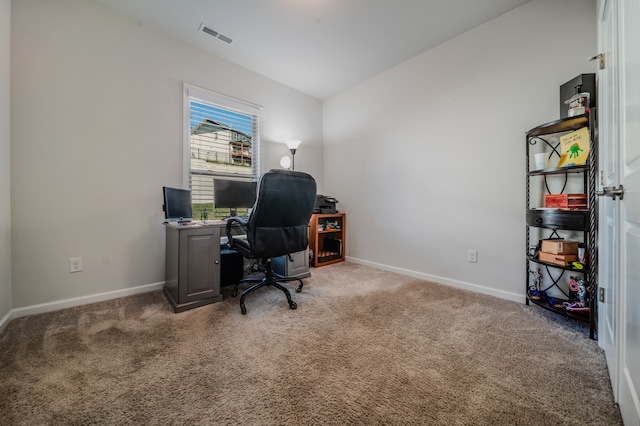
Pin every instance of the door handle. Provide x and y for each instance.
(612, 192)
(600, 58)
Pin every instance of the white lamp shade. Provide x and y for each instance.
(293, 144)
(285, 162)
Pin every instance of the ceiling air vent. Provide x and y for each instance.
(213, 33)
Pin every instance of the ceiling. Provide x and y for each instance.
(319, 47)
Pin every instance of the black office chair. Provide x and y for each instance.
(278, 225)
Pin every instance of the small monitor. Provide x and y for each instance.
(233, 194)
(177, 204)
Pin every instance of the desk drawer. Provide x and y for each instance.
(559, 219)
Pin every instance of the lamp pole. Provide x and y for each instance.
(293, 158)
(293, 146)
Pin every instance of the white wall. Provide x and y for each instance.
(5, 165)
(433, 149)
(97, 131)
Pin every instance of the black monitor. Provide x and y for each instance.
(177, 204)
(233, 194)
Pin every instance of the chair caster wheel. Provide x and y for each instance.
(293, 305)
(299, 288)
(244, 309)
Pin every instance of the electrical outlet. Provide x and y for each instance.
(472, 256)
(75, 264)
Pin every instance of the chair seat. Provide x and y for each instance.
(242, 246)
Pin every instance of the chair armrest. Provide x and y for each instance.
(234, 222)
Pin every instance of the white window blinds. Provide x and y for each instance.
(222, 140)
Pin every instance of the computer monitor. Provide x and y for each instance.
(177, 204)
(233, 194)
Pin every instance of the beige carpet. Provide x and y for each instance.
(364, 347)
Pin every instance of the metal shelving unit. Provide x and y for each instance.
(542, 277)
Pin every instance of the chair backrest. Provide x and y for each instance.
(279, 220)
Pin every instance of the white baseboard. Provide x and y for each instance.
(76, 301)
(514, 297)
(84, 300)
(4, 321)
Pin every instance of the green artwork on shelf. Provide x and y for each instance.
(574, 148)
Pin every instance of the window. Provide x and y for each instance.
(222, 140)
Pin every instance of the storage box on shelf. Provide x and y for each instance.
(568, 211)
(327, 238)
(566, 201)
(558, 246)
(557, 259)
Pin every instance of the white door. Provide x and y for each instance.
(629, 324)
(608, 214)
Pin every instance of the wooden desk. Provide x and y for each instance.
(192, 264)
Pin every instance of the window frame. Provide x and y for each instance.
(230, 105)
(226, 103)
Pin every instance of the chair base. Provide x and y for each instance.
(270, 279)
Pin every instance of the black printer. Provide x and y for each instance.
(325, 204)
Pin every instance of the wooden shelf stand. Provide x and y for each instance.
(327, 238)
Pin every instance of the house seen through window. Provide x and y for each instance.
(223, 143)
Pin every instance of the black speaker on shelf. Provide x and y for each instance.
(581, 83)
